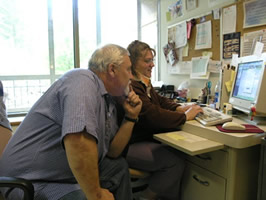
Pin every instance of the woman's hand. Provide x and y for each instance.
(183, 108)
(193, 111)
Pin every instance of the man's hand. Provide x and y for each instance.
(132, 105)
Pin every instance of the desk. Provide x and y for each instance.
(220, 166)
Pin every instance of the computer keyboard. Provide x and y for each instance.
(211, 117)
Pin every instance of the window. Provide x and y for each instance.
(87, 30)
(37, 48)
(149, 30)
(103, 22)
(38, 42)
(124, 13)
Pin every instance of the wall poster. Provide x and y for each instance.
(231, 45)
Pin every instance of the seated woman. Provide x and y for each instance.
(5, 128)
(158, 114)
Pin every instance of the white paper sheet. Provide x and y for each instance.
(216, 13)
(258, 49)
(254, 13)
(214, 66)
(249, 42)
(181, 68)
(229, 19)
(178, 34)
(199, 66)
(234, 61)
(204, 35)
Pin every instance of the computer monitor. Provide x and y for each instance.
(249, 87)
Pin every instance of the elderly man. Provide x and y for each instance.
(69, 144)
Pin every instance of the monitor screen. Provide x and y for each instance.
(247, 80)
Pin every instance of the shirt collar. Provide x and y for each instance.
(144, 79)
(102, 89)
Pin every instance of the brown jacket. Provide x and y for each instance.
(158, 114)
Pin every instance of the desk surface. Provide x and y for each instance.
(196, 139)
(235, 140)
(188, 143)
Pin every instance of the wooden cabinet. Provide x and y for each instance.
(220, 166)
(228, 174)
(215, 161)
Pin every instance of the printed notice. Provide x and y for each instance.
(204, 36)
(178, 34)
(229, 19)
(199, 65)
(254, 13)
(250, 40)
(231, 45)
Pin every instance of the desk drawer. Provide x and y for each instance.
(215, 161)
(200, 184)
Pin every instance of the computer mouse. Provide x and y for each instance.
(233, 126)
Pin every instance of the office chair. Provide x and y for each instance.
(12, 182)
(139, 181)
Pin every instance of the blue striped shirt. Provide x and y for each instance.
(73, 103)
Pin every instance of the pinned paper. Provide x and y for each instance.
(228, 86)
(234, 61)
(207, 53)
(258, 49)
(216, 13)
(214, 66)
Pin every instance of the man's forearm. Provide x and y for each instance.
(82, 155)
(121, 139)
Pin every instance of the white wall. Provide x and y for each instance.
(202, 9)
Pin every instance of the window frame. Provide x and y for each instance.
(76, 49)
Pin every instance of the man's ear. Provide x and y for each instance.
(111, 69)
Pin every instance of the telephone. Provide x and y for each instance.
(168, 91)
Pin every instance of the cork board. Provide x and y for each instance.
(215, 49)
(216, 43)
(240, 21)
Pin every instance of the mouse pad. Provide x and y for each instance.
(249, 129)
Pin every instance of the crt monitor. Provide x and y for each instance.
(249, 87)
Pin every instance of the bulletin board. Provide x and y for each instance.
(215, 49)
(240, 20)
(216, 39)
